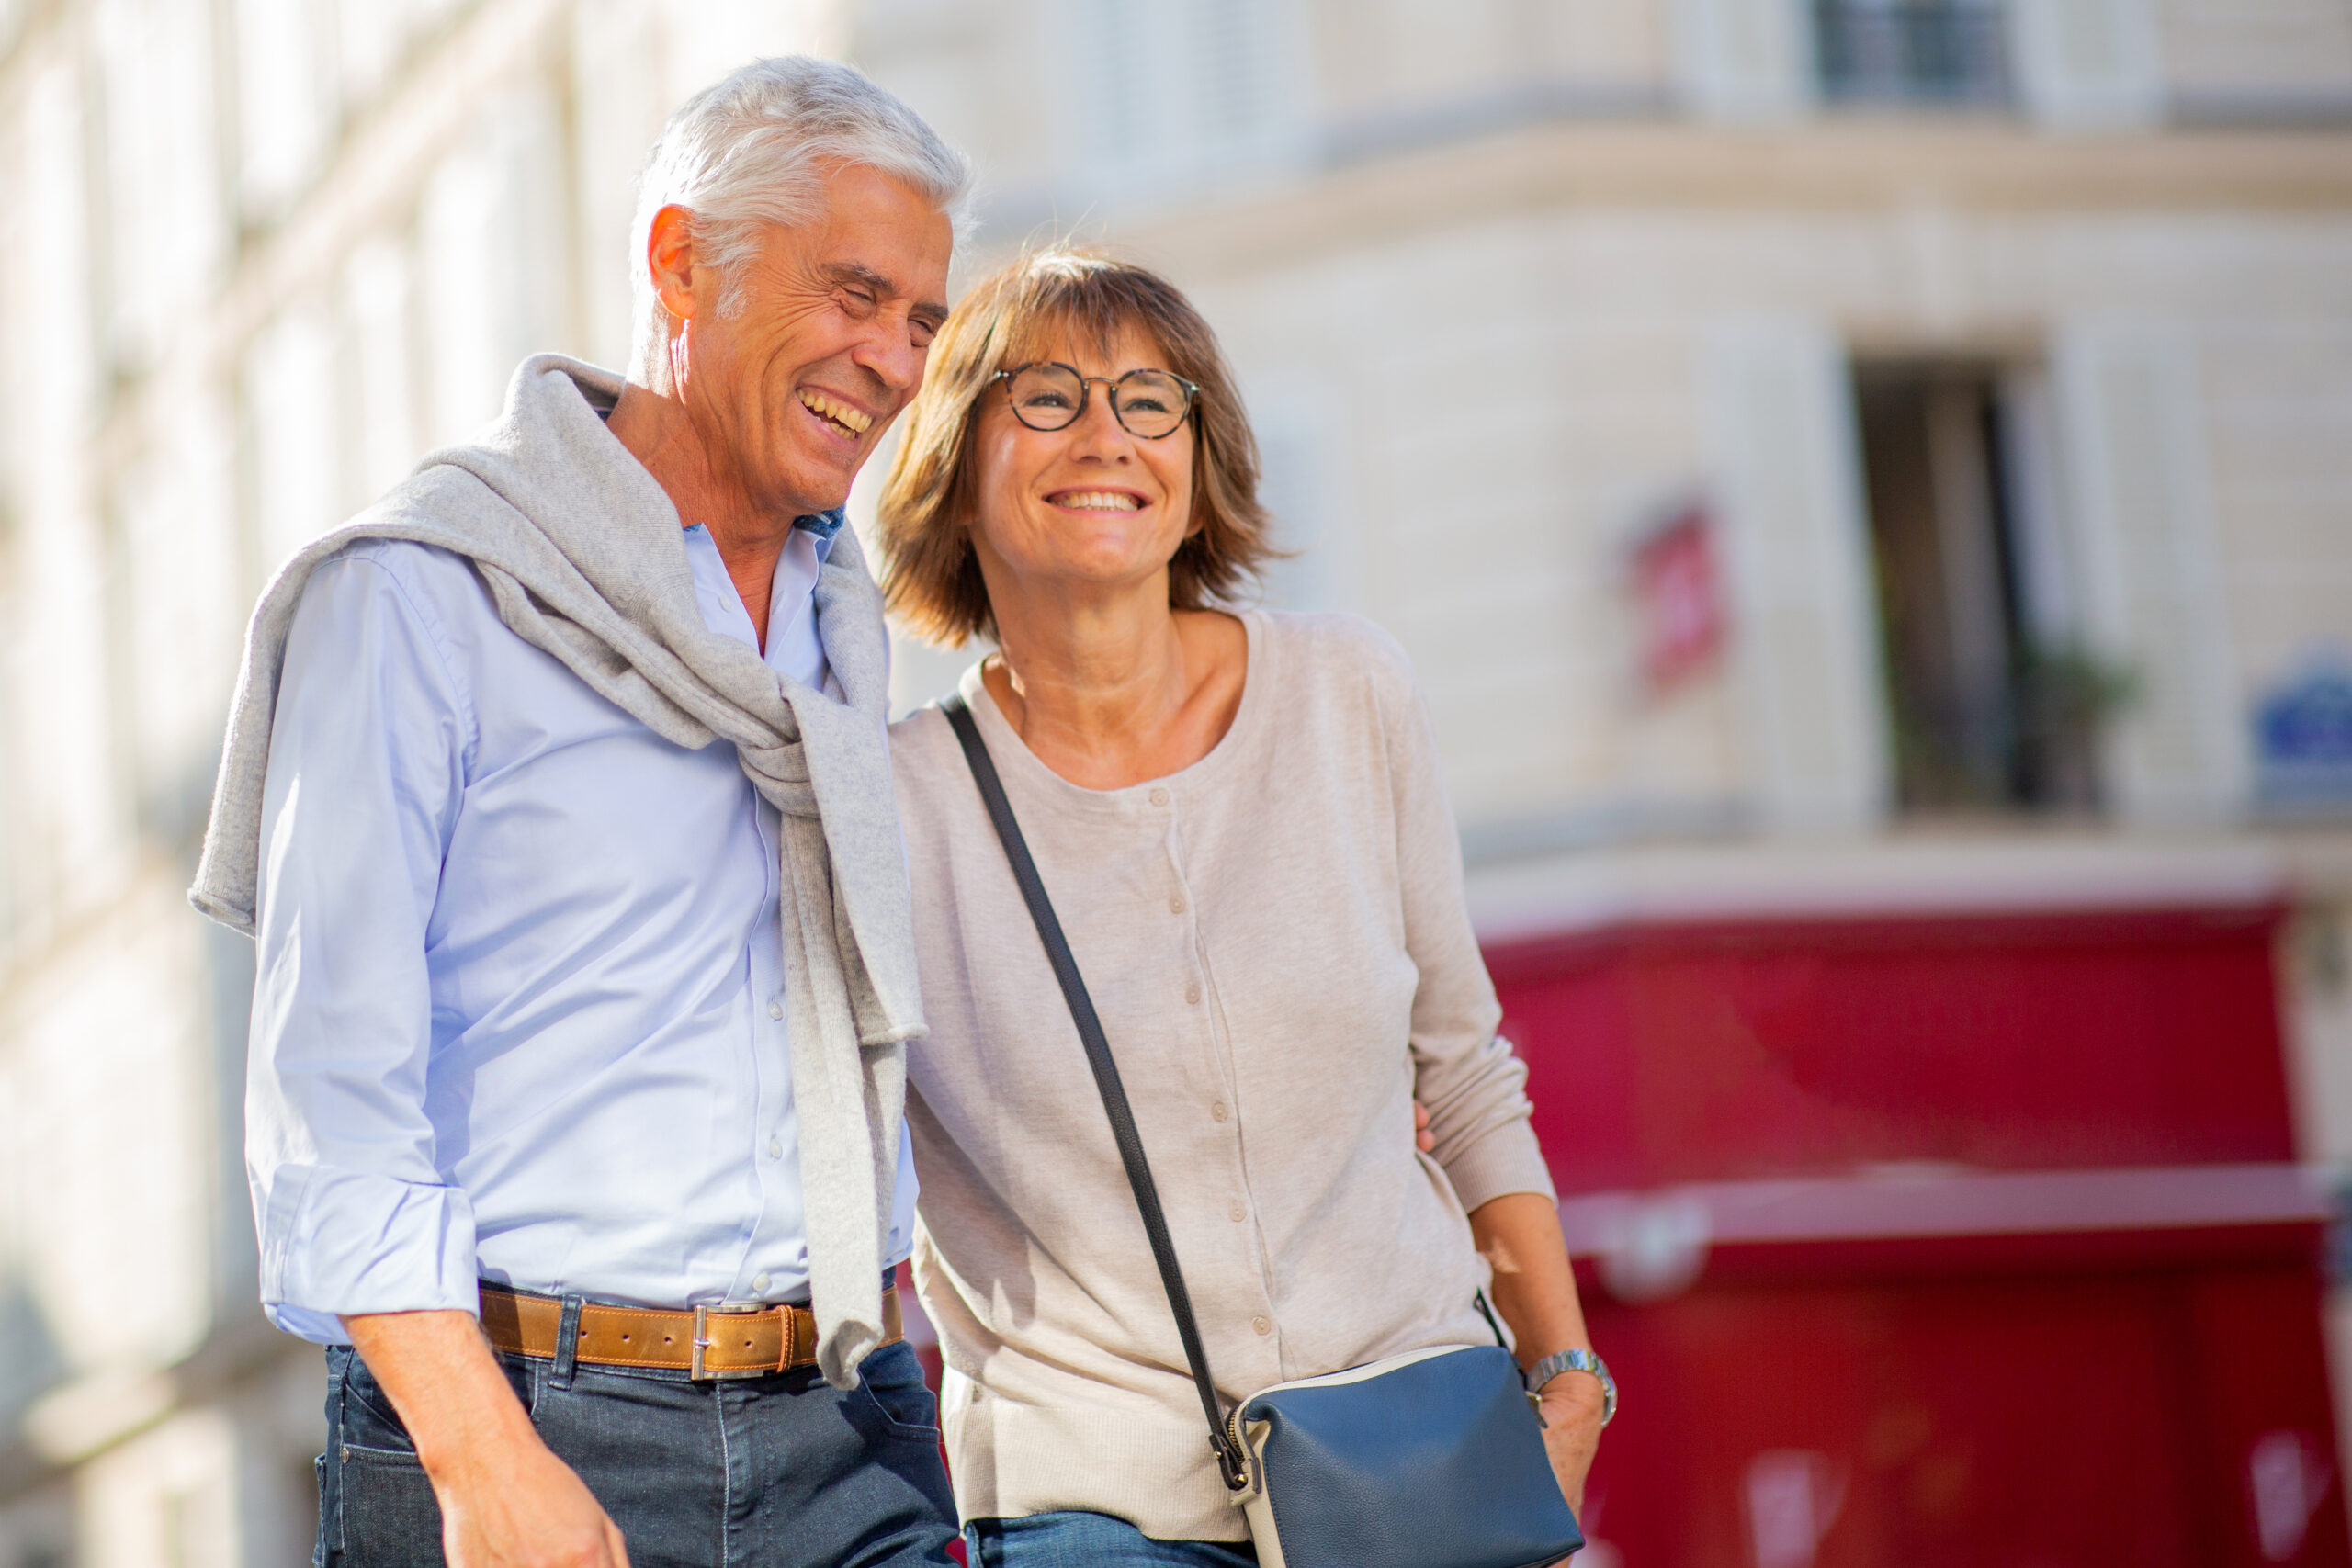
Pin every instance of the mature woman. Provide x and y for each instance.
(1239, 817)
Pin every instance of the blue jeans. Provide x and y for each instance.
(1092, 1541)
(783, 1472)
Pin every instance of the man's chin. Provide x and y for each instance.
(811, 488)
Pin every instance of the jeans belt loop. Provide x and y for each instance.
(567, 1343)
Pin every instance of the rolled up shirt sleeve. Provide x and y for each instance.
(367, 757)
(1469, 1076)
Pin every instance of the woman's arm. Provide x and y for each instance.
(1535, 1291)
(1473, 1086)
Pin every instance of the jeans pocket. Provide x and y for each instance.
(391, 1518)
(368, 1419)
(523, 1375)
(891, 1380)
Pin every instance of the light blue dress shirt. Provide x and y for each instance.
(519, 1008)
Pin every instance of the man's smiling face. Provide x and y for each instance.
(793, 389)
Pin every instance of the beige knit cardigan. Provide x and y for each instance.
(1276, 941)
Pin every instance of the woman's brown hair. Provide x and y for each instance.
(932, 575)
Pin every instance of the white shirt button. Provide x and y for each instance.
(776, 1148)
(1191, 993)
(776, 1010)
(1176, 903)
(1218, 1112)
(1262, 1325)
(758, 1281)
(1159, 797)
(1237, 1214)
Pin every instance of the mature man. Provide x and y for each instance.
(557, 796)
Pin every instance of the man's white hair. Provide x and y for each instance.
(753, 149)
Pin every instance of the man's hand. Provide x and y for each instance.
(506, 1501)
(1424, 1139)
(523, 1508)
(1571, 1404)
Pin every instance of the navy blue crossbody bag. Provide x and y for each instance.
(1430, 1460)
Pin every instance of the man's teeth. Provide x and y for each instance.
(1100, 501)
(848, 418)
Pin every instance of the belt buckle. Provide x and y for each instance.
(696, 1370)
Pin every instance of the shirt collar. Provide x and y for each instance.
(825, 526)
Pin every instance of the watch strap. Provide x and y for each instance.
(1559, 1362)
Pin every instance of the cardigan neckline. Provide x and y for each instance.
(1012, 754)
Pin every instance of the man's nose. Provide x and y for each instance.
(888, 351)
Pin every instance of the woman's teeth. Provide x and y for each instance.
(1099, 500)
(848, 418)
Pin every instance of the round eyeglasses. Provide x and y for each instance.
(1049, 395)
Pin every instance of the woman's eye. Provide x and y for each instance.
(1045, 401)
(1144, 404)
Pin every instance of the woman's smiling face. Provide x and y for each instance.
(1088, 504)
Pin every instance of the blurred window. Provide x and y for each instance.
(1191, 94)
(1912, 51)
(1994, 706)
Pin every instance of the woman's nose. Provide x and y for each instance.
(1097, 431)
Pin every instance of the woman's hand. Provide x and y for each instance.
(1424, 1139)
(1535, 1290)
(1571, 1407)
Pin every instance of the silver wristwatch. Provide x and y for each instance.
(1560, 1362)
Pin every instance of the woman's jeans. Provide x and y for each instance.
(1092, 1540)
(779, 1472)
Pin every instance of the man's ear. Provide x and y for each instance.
(670, 261)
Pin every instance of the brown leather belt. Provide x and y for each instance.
(706, 1343)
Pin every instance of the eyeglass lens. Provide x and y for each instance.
(1150, 403)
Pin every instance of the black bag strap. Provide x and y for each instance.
(1106, 1076)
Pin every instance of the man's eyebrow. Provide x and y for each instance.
(865, 276)
(859, 272)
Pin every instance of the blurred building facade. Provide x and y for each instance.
(1867, 485)
(260, 254)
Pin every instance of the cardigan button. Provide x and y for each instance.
(1159, 797)
(1191, 994)
(1217, 1113)
(1262, 1325)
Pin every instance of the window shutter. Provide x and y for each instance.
(2134, 438)
(291, 398)
(1184, 92)
(1238, 83)
(2087, 64)
(1294, 486)
(1806, 626)
(285, 105)
(1745, 60)
(491, 279)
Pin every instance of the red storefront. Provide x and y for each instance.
(1929, 1240)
